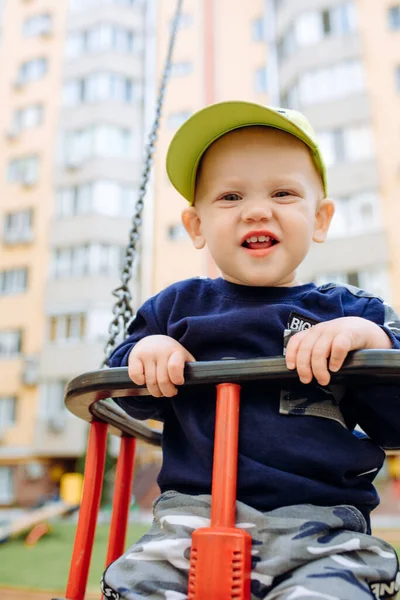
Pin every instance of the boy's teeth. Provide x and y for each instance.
(260, 238)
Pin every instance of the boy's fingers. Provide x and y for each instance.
(341, 346)
(136, 370)
(304, 352)
(176, 364)
(319, 359)
(167, 388)
(150, 374)
(292, 349)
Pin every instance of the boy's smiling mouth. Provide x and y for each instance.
(258, 242)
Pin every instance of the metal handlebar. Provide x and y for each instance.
(86, 395)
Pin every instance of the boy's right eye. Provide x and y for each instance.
(232, 197)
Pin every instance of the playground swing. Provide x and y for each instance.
(220, 561)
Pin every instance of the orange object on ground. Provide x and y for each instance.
(37, 532)
(220, 560)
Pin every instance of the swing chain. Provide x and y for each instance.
(122, 309)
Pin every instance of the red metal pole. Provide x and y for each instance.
(122, 499)
(223, 506)
(88, 513)
(220, 558)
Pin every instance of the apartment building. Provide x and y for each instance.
(77, 92)
(72, 96)
(339, 64)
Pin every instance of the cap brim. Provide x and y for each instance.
(206, 126)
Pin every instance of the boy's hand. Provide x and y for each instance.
(158, 361)
(308, 351)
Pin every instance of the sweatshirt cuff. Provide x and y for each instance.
(395, 340)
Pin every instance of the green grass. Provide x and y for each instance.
(46, 565)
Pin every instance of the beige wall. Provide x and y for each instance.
(26, 311)
(382, 57)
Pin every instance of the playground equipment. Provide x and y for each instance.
(28, 520)
(220, 559)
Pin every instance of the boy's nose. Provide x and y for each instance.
(257, 211)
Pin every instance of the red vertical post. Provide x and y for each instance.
(224, 478)
(122, 499)
(88, 512)
(220, 558)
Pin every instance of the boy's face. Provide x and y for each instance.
(258, 206)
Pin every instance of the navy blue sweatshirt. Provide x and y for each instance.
(296, 445)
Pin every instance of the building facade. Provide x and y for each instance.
(78, 90)
(73, 93)
(338, 62)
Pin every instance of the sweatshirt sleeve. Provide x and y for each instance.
(377, 407)
(144, 324)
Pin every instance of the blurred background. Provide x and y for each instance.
(78, 83)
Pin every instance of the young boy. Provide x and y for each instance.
(256, 185)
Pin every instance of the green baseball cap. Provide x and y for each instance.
(207, 125)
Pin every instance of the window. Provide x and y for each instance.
(32, 70)
(394, 16)
(326, 84)
(18, 227)
(356, 215)
(352, 144)
(177, 232)
(24, 170)
(52, 399)
(308, 29)
(99, 87)
(13, 281)
(37, 25)
(8, 405)
(257, 30)
(339, 20)
(6, 485)
(90, 259)
(106, 141)
(27, 118)
(331, 83)
(98, 324)
(103, 197)
(180, 69)
(101, 38)
(312, 26)
(10, 343)
(67, 328)
(73, 201)
(70, 262)
(260, 80)
(176, 119)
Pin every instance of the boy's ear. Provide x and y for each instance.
(323, 218)
(192, 224)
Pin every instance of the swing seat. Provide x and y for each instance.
(88, 397)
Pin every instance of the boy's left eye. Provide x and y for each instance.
(282, 194)
(231, 197)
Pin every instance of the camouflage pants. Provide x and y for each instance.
(299, 552)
